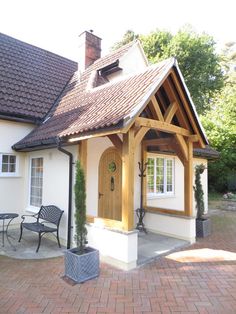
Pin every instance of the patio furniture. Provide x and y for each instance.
(47, 221)
(3, 217)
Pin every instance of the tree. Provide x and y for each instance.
(80, 209)
(228, 61)
(155, 45)
(127, 38)
(196, 56)
(219, 123)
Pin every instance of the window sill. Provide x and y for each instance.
(32, 209)
(158, 196)
(10, 176)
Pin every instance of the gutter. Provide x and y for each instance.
(69, 227)
(19, 118)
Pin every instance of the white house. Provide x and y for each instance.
(111, 113)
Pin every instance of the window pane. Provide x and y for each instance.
(5, 158)
(159, 175)
(169, 175)
(150, 184)
(12, 168)
(150, 175)
(36, 182)
(160, 162)
(150, 168)
(4, 168)
(12, 159)
(8, 164)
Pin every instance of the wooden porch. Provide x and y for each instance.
(166, 124)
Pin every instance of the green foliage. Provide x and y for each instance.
(228, 61)
(211, 80)
(196, 56)
(80, 209)
(127, 38)
(198, 191)
(220, 126)
(155, 45)
(197, 60)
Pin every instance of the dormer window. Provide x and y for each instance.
(109, 69)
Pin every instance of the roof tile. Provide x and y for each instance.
(31, 79)
(80, 110)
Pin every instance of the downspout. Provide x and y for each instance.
(69, 192)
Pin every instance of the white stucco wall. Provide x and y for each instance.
(55, 181)
(132, 62)
(12, 188)
(179, 227)
(170, 225)
(116, 247)
(175, 201)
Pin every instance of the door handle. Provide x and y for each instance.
(112, 184)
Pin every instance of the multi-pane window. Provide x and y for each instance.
(160, 176)
(36, 182)
(8, 164)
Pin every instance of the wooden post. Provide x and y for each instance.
(188, 181)
(128, 181)
(83, 155)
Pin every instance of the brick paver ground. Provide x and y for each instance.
(200, 279)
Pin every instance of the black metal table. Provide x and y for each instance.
(3, 217)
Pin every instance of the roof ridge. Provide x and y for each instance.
(166, 62)
(108, 55)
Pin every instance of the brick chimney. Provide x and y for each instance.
(89, 49)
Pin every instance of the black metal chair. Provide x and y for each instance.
(47, 221)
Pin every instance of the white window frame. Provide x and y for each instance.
(156, 194)
(8, 174)
(33, 208)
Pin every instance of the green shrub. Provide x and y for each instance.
(198, 191)
(80, 209)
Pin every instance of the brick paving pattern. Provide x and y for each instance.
(199, 279)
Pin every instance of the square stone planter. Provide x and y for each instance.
(203, 227)
(81, 268)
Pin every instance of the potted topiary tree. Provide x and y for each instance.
(202, 222)
(81, 262)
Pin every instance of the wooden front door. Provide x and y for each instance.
(109, 188)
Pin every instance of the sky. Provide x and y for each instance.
(54, 25)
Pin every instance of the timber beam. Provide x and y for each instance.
(116, 141)
(140, 135)
(161, 126)
(82, 152)
(187, 108)
(182, 145)
(188, 182)
(158, 142)
(128, 181)
(154, 106)
(170, 112)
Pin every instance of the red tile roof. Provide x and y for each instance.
(82, 110)
(31, 79)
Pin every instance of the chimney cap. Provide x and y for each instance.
(91, 31)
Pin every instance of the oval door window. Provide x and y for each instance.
(112, 166)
